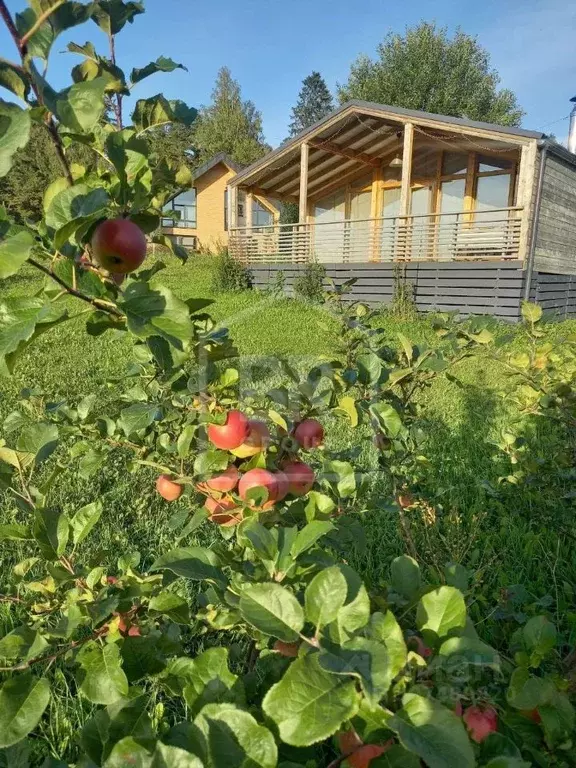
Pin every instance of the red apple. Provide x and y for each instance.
(532, 714)
(405, 500)
(258, 478)
(226, 481)
(231, 434)
(309, 434)
(168, 489)
(257, 439)
(480, 722)
(223, 511)
(300, 476)
(283, 485)
(421, 648)
(458, 709)
(286, 649)
(349, 741)
(363, 756)
(119, 245)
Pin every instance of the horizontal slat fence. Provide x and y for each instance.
(493, 288)
(556, 294)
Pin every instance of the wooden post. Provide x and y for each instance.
(525, 194)
(233, 207)
(376, 213)
(405, 189)
(303, 197)
(248, 200)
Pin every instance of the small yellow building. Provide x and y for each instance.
(204, 210)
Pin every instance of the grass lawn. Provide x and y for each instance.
(509, 539)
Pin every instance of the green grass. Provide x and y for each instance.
(514, 539)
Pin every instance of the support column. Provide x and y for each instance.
(526, 172)
(404, 228)
(376, 214)
(249, 199)
(303, 197)
(233, 207)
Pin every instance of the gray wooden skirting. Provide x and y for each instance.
(473, 288)
(556, 294)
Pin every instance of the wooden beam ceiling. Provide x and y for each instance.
(351, 154)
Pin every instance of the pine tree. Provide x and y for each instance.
(314, 102)
(427, 69)
(230, 124)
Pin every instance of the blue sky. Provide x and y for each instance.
(271, 45)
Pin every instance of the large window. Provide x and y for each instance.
(261, 216)
(185, 205)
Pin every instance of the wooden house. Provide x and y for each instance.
(203, 209)
(480, 216)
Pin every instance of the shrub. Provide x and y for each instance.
(403, 305)
(230, 274)
(309, 285)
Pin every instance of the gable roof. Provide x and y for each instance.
(221, 157)
(384, 111)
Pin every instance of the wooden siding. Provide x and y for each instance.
(556, 238)
(210, 188)
(556, 294)
(478, 288)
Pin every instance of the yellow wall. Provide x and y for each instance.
(210, 188)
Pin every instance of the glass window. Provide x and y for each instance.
(185, 205)
(331, 208)
(420, 200)
(360, 203)
(452, 196)
(391, 202)
(454, 163)
(261, 216)
(424, 162)
(486, 163)
(492, 192)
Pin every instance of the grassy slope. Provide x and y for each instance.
(506, 546)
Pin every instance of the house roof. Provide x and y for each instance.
(221, 157)
(369, 130)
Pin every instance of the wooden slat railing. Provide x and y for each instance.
(481, 235)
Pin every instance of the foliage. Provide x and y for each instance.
(314, 102)
(309, 284)
(230, 274)
(230, 124)
(425, 69)
(295, 648)
(174, 144)
(403, 305)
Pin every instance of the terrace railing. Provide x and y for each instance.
(470, 235)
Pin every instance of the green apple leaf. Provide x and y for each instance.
(84, 520)
(23, 699)
(112, 15)
(385, 628)
(14, 79)
(193, 563)
(405, 576)
(463, 651)
(441, 611)
(21, 321)
(162, 64)
(309, 704)
(65, 16)
(156, 312)
(103, 680)
(365, 659)
(325, 596)
(80, 107)
(273, 610)
(138, 417)
(14, 133)
(432, 732)
(14, 250)
(235, 738)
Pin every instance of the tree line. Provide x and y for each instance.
(424, 68)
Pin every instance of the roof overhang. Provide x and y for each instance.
(360, 136)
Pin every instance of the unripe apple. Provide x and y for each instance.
(231, 434)
(480, 722)
(257, 439)
(286, 649)
(309, 434)
(226, 481)
(283, 485)
(301, 477)
(119, 245)
(258, 478)
(223, 511)
(168, 489)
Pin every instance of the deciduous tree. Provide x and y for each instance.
(427, 69)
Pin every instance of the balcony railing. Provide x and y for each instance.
(479, 235)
